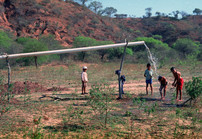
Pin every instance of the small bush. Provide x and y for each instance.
(186, 46)
(194, 87)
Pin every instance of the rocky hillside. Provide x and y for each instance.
(66, 20)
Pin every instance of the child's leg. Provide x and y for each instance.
(177, 92)
(164, 92)
(147, 88)
(84, 89)
(160, 89)
(180, 94)
(151, 89)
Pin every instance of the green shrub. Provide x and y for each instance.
(194, 87)
(158, 48)
(186, 47)
(83, 42)
(101, 96)
(32, 45)
(157, 37)
(5, 42)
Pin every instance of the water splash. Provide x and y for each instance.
(152, 59)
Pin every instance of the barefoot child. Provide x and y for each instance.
(163, 86)
(148, 75)
(84, 80)
(178, 82)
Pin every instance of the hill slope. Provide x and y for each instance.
(66, 20)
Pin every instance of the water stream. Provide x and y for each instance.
(152, 59)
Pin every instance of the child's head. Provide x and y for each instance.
(85, 68)
(148, 66)
(173, 70)
(159, 78)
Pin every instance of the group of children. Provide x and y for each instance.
(178, 82)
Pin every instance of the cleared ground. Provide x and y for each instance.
(53, 92)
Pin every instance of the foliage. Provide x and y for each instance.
(186, 46)
(95, 6)
(109, 11)
(32, 45)
(83, 42)
(148, 12)
(100, 102)
(194, 87)
(157, 37)
(151, 43)
(197, 11)
(5, 41)
(118, 52)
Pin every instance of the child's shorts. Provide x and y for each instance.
(84, 84)
(149, 81)
(180, 84)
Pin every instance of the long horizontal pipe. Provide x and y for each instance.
(73, 50)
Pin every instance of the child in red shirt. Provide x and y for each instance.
(178, 83)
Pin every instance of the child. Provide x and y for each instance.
(84, 80)
(178, 82)
(148, 75)
(163, 86)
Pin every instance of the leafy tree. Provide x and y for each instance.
(158, 14)
(118, 52)
(157, 47)
(83, 42)
(83, 2)
(32, 45)
(175, 14)
(148, 12)
(197, 11)
(152, 43)
(103, 52)
(157, 37)
(109, 11)
(95, 6)
(5, 41)
(186, 46)
(184, 14)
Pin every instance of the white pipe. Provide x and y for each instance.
(73, 50)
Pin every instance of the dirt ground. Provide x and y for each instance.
(50, 91)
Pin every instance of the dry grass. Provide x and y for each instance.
(128, 119)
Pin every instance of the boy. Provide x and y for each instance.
(163, 86)
(148, 75)
(178, 82)
(84, 80)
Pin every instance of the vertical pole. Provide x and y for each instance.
(35, 60)
(121, 66)
(9, 78)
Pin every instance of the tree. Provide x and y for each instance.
(83, 42)
(95, 6)
(109, 11)
(148, 12)
(184, 14)
(32, 45)
(186, 46)
(158, 14)
(197, 11)
(83, 2)
(175, 14)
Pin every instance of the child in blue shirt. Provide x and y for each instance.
(148, 75)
